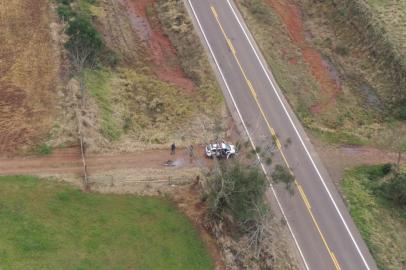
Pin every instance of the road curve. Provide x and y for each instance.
(322, 229)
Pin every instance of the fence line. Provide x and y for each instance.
(82, 152)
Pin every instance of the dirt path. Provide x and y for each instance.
(68, 161)
(338, 158)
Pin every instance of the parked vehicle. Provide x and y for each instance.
(220, 150)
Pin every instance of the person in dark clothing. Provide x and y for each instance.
(191, 153)
(173, 149)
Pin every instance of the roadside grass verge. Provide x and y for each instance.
(338, 137)
(49, 225)
(382, 225)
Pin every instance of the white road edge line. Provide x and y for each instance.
(246, 130)
(300, 138)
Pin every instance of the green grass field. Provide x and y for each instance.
(49, 225)
(382, 225)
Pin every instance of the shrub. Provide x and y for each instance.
(376, 172)
(258, 8)
(342, 50)
(282, 175)
(386, 168)
(110, 58)
(237, 190)
(85, 43)
(395, 189)
(400, 113)
(45, 149)
(65, 2)
(65, 13)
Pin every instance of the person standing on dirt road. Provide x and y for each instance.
(173, 149)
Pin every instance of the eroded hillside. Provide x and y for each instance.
(151, 84)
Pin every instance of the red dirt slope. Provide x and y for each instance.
(160, 47)
(326, 78)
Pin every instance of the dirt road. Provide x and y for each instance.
(68, 161)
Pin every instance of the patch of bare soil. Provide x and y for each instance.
(29, 70)
(322, 71)
(159, 47)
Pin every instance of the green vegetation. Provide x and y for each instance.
(86, 46)
(49, 225)
(97, 82)
(369, 191)
(45, 149)
(282, 175)
(339, 137)
(85, 43)
(237, 190)
(395, 189)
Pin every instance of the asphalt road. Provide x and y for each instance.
(324, 234)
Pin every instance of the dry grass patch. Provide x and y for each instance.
(29, 67)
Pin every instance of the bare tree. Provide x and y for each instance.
(257, 231)
(395, 139)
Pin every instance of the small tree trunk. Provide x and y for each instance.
(82, 89)
(398, 161)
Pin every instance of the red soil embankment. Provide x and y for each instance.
(328, 81)
(160, 47)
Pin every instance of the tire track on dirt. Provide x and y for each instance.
(69, 161)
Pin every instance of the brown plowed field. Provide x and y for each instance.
(29, 68)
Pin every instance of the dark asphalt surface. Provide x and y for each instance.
(323, 229)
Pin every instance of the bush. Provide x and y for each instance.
(85, 43)
(258, 8)
(45, 149)
(400, 113)
(237, 190)
(342, 50)
(395, 189)
(376, 172)
(386, 168)
(110, 58)
(65, 13)
(282, 175)
(65, 2)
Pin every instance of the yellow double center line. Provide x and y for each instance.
(272, 131)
